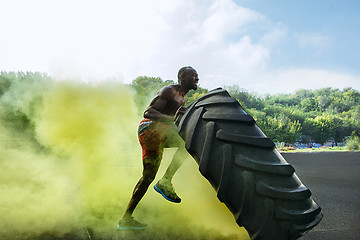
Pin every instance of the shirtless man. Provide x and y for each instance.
(156, 132)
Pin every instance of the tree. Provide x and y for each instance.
(145, 89)
(5, 81)
(282, 99)
(309, 104)
(282, 129)
(323, 102)
(322, 128)
(302, 94)
(21, 97)
(192, 95)
(246, 99)
(324, 92)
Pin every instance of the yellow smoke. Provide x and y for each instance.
(75, 171)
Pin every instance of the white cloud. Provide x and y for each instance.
(214, 39)
(317, 41)
(106, 38)
(224, 18)
(227, 44)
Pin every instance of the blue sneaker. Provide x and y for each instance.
(167, 191)
(129, 224)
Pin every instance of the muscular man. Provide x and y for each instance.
(156, 132)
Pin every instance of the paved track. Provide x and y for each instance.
(334, 180)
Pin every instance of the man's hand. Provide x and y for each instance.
(181, 110)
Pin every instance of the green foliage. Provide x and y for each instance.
(282, 99)
(321, 127)
(303, 93)
(5, 81)
(311, 115)
(146, 88)
(20, 96)
(192, 95)
(353, 143)
(279, 127)
(309, 104)
(143, 84)
(247, 100)
(323, 102)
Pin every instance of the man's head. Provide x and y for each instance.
(187, 76)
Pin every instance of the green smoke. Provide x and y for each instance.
(69, 159)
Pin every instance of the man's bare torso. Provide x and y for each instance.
(165, 104)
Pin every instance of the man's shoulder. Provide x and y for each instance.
(171, 87)
(169, 90)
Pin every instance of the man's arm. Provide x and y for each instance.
(158, 104)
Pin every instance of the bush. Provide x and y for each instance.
(353, 143)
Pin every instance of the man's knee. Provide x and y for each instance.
(151, 166)
(148, 178)
(149, 174)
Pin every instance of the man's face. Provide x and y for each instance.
(190, 79)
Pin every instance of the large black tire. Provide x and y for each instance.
(250, 176)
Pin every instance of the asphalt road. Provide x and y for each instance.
(334, 180)
(332, 177)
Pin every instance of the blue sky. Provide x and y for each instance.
(262, 46)
(337, 21)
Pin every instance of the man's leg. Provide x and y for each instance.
(164, 185)
(174, 140)
(178, 159)
(151, 166)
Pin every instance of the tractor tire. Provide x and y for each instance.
(250, 176)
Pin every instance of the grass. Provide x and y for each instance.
(321, 149)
